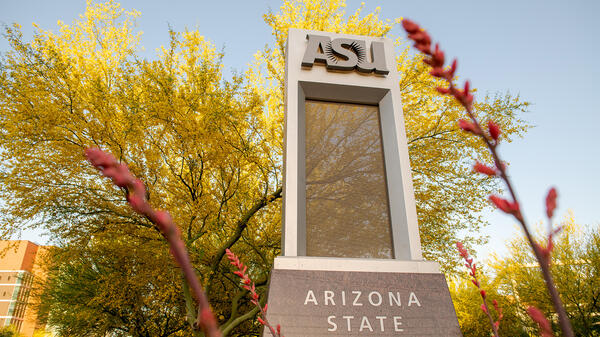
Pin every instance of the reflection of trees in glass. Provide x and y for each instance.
(346, 198)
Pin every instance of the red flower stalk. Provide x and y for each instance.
(494, 130)
(436, 60)
(500, 315)
(410, 27)
(540, 319)
(551, 202)
(468, 126)
(136, 196)
(249, 285)
(505, 205)
(471, 266)
(550, 207)
(481, 168)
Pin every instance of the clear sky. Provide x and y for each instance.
(545, 51)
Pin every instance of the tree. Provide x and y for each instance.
(517, 284)
(208, 149)
(8, 331)
(575, 269)
(124, 286)
(472, 320)
(448, 197)
(196, 140)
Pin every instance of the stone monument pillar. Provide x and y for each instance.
(351, 263)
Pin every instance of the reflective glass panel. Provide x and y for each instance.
(347, 212)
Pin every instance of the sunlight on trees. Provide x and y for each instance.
(209, 150)
(517, 284)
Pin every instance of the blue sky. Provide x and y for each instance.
(544, 51)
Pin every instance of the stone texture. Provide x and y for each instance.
(425, 306)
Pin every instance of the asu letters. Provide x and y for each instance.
(345, 54)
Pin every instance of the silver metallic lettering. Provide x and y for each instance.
(344, 54)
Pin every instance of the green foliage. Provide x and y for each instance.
(119, 287)
(209, 151)
(196, 140)
(472, 320)
(576, 273)
(9, 331)
(518, 284)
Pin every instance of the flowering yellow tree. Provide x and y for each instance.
(449, 198)
(208, 149)
(575, 269)
(196, 140)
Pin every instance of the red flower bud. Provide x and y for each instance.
(138, 188)
(468, 126)
(437, 72)
(137, 203)
(482, 293)
(494, 130)
(540, 319)
(163, 217)
(444, 91)
(483, 308)
(453, 68)
(261, 321)
(505, 205)
(438, 56)
(99, 158)
(469, 99)
(420, 37)
(462, 250)
(479, 167)
(546, 251)
(551, 202)
(423, 48)
(410, 26)
(123, 178)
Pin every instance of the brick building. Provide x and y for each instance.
(19, 264)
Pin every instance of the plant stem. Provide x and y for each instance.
(563, 319)
(190, 308)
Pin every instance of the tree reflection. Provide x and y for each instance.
(347, 211)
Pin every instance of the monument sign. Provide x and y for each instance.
(351, 261)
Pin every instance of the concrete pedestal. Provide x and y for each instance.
(338, 297)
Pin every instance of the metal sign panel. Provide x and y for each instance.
(374, 83)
